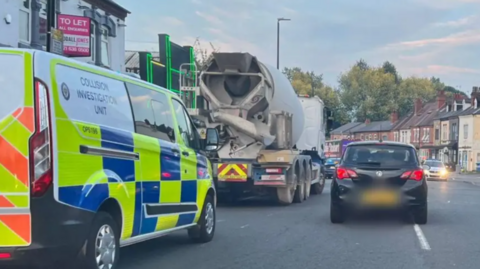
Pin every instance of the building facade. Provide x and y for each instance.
(25, 25)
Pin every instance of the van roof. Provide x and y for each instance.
(91, 66)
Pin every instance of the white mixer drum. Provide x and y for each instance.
(285, 99)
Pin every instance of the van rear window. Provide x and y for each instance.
(380, 155)
(12, 83)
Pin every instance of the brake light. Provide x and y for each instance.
(5, 255)
(41, 172)
(274, 170)
(416, 175)
(343, 173)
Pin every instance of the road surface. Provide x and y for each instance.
(301, 236)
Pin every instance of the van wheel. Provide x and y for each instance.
(205, 229)
(308, 182)
(300, 191)
(103, 243)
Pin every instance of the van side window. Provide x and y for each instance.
(152, 113)
(185, 126)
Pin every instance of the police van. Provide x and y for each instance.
(92, 160)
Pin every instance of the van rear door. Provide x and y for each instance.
(16, 128)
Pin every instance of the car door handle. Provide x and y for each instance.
(185, 153)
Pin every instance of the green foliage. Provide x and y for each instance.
(368, 92)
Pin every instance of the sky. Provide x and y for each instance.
(423, 38)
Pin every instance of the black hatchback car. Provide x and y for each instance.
(379, 175)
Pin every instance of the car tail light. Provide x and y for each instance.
(274, 170)
(343, 173)
(41, 174)
(416, 175)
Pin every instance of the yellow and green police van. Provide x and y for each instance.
(92, 160)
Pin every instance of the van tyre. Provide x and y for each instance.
(337, 214)
(103, 243)
(420, 215)
(204, 231)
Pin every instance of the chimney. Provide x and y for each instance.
(418, 106)
(394, 116)
(367, 121)
(441, 99)
(474, 96)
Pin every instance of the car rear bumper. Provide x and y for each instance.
(58, 233)
(411, 194)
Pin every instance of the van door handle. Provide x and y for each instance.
(175, 151)
(185, 153)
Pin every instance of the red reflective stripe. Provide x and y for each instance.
(13, 161)
(25, 115)
(221, 167)
(20, 224)
(5, 203)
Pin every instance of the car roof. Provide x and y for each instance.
(378, 142)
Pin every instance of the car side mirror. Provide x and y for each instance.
(212, 139)
(426, 167)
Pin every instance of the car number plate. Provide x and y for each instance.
(380, 198)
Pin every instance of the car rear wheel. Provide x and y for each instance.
(420, 215)
(337, 214)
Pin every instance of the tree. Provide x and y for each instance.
(389, 68)
(368, 93)
(203, 55)
(412, 88)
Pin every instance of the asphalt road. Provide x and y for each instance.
(258, 235)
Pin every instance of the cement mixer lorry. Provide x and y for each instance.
(271, 139)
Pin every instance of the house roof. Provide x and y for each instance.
(424, 117)
(345, 128)
(376, 126)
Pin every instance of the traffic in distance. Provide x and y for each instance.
(95, 160)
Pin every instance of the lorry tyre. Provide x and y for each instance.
(285, 194)
(308, 182)
(300, 189)
(103, 243)
(319, 186)
(205, 229)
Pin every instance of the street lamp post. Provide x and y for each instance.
(278, 40)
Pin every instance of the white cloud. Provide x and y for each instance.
(172, 21)
(209, 18)
(461, 38)
(457, 23)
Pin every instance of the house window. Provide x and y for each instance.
(105, 48)
(361, 136)
(437, 134)
(43, 23)
(465, 131)
(395, 136)
(24, 21)
(426, 135)
(384, 137)
(453, 132)
(375, 136)
(416, 134)
(444, 132)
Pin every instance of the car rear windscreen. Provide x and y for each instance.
(379, 155)
(434, 164)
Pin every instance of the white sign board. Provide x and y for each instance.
(92, 98)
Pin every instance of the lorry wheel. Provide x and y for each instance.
(308, 182)
(319, 186)
(300, 191)
(285, 194)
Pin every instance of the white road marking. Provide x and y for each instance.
(220, 220)
(244, 226)
(421, 238)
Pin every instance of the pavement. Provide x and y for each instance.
(261, 235)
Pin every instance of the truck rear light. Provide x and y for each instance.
(41, 172)
(343, 173)
(416, 175)
(274, 170)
